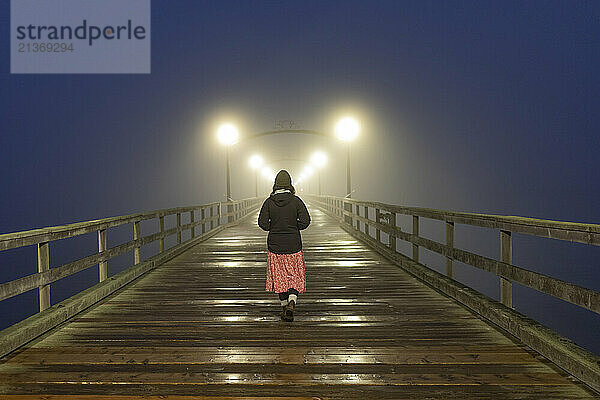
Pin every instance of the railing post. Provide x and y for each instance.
(212, 214)
(178, 228)
(229, 211)
(450, 246)
(192, 220)
(392, 238)
(415, 231)
(367, 228)
(378, 220)
(357, 212)
(506, 257)
(347, 218)
(43, 266)
(203, 225)
(136, 236)
(102, 269)
(161, 229)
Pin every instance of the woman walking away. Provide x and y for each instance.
(284, 215)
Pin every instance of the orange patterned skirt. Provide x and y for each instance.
(285, 271)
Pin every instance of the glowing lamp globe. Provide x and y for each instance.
(256, 161)
(308, 171)
(227, 134)
(347, 129)
(266, 172)
(319, 159)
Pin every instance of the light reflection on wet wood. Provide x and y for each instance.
(202, 326)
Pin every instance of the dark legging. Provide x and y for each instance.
(285, 295)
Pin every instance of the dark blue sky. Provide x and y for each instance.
(480, 106)
(476, 106)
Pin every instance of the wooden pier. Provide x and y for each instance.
(202, 326)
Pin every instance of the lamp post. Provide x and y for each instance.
(347, 130)
(319, 159)
(228, 136)
(256, 162)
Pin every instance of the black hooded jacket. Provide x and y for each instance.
(284, 215)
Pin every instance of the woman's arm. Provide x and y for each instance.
(264, 219)
(303, 216)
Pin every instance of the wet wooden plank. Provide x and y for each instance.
(280, 357)
(203, 325)
(101, 397)
(258, 378)
(316, 391)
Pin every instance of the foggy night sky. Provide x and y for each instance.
(471, 106)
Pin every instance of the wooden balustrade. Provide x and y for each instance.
(507, 272)
(50, 315)
(43, 237)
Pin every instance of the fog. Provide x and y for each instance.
(487, 108)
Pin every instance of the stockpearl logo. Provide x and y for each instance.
(74, 36)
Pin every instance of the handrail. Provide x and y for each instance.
(566, 354)
(211, 220)
(503, 268)
(561, 230)
(34, 236)
(211, 217)
(569, 292)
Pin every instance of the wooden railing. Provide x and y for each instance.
(367, 219)
(356, 213)
(205, 220)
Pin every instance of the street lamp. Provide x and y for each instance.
(267, 173)
(347, 130)
(256, 162)
(270, 178)
(319, 159)
(306, 173)
(228, 136)
(308, 170)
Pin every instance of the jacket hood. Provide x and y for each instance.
(282, 199)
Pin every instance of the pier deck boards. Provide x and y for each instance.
(202, 326)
